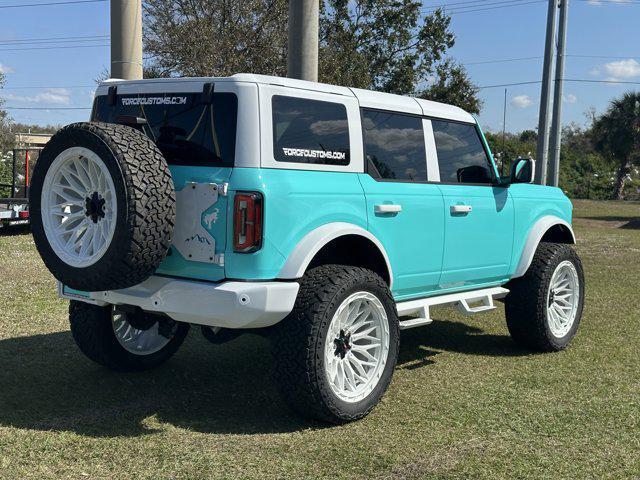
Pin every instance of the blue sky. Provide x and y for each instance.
(596, 28)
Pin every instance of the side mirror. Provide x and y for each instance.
(522, 170)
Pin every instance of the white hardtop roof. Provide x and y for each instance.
(366, 98)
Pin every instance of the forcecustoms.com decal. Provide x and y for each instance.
(154, 101)
(303, 152)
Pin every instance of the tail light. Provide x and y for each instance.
(247, 222)
(24, 214)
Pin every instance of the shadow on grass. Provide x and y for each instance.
(453, 336)
(631, 223)
(46, 384)
(14, 230)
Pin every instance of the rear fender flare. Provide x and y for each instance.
(307, 248)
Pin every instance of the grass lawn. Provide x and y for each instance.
(464, 401)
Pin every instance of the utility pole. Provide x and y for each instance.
(302, 56)
(543, 119)
(126, 39)
(556, 124)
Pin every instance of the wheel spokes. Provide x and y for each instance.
(353, 352)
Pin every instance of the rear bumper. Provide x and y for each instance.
(227, 304)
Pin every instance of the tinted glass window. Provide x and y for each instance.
(394, 145)
(461, 155)
(310, 131)
(185, 129)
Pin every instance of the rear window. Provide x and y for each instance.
(310, 131)
(187, 130)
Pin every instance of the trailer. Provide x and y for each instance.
(14, 208)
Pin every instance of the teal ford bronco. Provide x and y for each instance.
(329, 218)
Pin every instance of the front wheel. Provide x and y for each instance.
(544, 307)
(336, 352)
(124, 341)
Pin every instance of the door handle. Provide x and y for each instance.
(387, 208)
(461, 208)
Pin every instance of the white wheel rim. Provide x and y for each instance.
(562, 299)
(78, 207)
(362, 318)
(135, 340)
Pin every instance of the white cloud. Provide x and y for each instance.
(6, 69)
(622, 69)
(521, 101)
(570, 98)
(58, 96)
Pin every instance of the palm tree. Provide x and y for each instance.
(616, 135)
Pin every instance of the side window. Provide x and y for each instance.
(310, 131)
(394, 145)
(461, 155)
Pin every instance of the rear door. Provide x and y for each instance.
(404, 211)
(478, 214)
(196, 132)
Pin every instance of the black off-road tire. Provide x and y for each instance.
(299, 340)
(526, 304)
(145, 206)
(92, 330)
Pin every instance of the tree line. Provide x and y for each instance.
(395, 47)
(599, 161)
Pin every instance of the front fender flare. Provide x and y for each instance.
(302, 255)
(536, 233)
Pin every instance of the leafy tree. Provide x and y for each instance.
(452, 85)
(5, 145)
(383, 45)
(506, 149)
(616, 135)
(529, 136)
(215, 37)
(4, 119)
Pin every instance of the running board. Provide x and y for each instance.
(475, 301)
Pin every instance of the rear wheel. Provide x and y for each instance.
(544, 307)
(336, 352)
(124, 341)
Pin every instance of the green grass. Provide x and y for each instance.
(464, 401)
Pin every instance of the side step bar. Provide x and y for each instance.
(475, 301)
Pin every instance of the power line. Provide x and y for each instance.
(47, 108)
(483, 6)
(50, 48)
(50, 42)
(95, 38)
(611, 1)
(504, 60)
(494, 8)
(467, 4)
(510, 84)
(69, 2)
(508, 60)
(601, 56)
(575, 80)
(44, 87)
(585, 80)
(474, 3)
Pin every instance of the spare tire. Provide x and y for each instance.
(102, 206)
